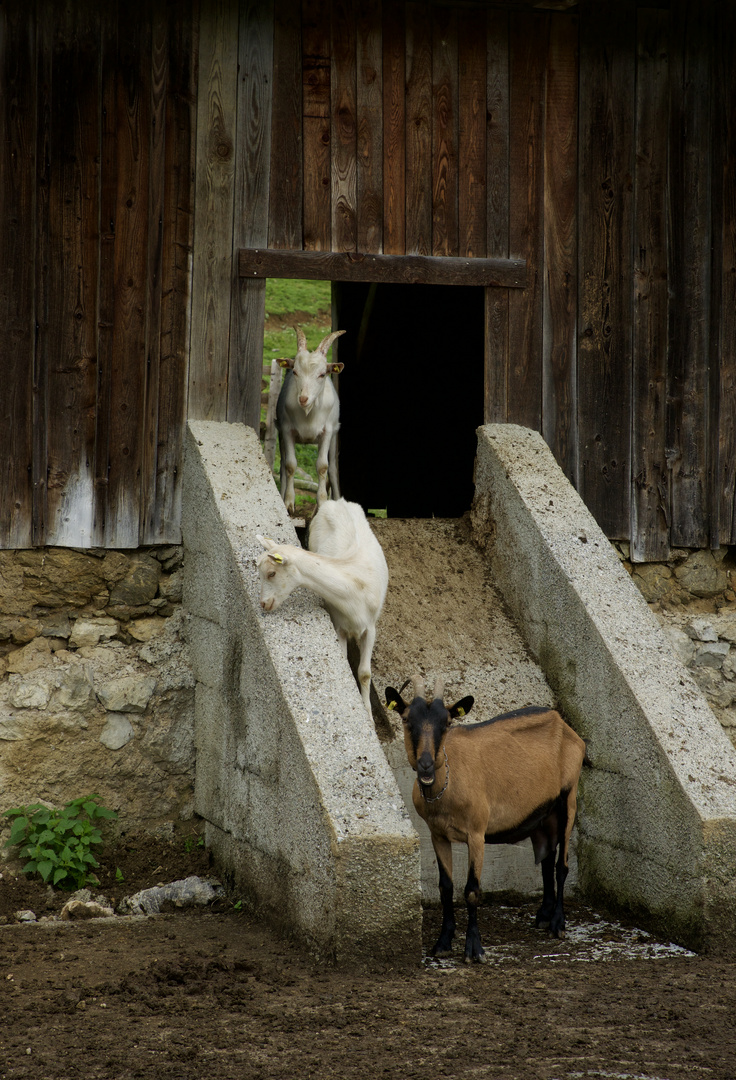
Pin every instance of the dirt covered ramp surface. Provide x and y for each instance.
(445, 617)
(191, 995)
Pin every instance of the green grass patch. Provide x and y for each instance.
(285, 296)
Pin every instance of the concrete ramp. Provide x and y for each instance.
(301, 808)
(657, 828)
(522, 602)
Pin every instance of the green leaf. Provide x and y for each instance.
(59, 875)
(18, 831)
(44, 868)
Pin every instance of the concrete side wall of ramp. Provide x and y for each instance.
(657, 827)
(299, 801)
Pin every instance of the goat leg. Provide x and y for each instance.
(547, 910)
(443, 851)
(287, 450)
(323, 446)
(557, 923)
(332, 468)
(473, 948)
(366, 643)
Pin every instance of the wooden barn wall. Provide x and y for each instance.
(96, 164)
(596, 143)
(142, 147)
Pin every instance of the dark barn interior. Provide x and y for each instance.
(411, 395)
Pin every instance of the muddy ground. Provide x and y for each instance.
(191, 994)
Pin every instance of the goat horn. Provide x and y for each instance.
(439, 687)
(301, 341)
(418, 682)
(326, 342)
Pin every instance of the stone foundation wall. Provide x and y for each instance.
(96, 689)
(694, 597)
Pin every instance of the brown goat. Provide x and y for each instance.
(497, 782)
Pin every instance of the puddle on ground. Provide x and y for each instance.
(587, 940)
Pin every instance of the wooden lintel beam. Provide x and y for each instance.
(396, 269)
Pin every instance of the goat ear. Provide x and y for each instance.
(336, 368)
(285, 362)
(266, 542)
(394, 700)
(460, 708)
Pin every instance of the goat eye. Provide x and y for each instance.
(271, 575)
(322, 374)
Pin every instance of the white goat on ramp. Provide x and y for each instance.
(345, 565)
(308, 411)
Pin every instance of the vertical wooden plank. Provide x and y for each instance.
(370, 140)
(256, 64)
(128, 381)
(163, 522)
(649, 497)
(471, 161)
(344, 126)
(213, 225)
(17, 267)
(418, 129)
(723, 348)
(689, 270)
(444, 132)
(607, 79)
(106, 284)
(528, 33)
(497, 215)
(559, 415)
(316, 123)
(394, 130)
(154, 269)
(73, 214)
(285, 205)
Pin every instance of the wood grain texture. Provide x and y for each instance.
(497, 214)
(213, 225)
(723, 320)
(559, 349)
(607, 81)
(418, 129)
(650, 479)
(471, 158)
(71, 332)
(394, 130)
(528, 35)
(128, 374)
(252, 207)
(161, 507)
(18, 111)
(286, 178)
(360, 266)
(344, 127)
(369, 101)
(316, 123)
(689, 272)
(444, 132)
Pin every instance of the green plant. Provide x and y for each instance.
(58, 843)
(191, 842)
(119, 875)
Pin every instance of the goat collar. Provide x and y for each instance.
(434, 798)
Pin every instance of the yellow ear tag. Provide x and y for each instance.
(391, 705)
(276, 557)
(461, 712)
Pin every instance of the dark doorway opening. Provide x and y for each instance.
(411, 395)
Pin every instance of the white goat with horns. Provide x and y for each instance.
(345, 565)
(308, 411)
